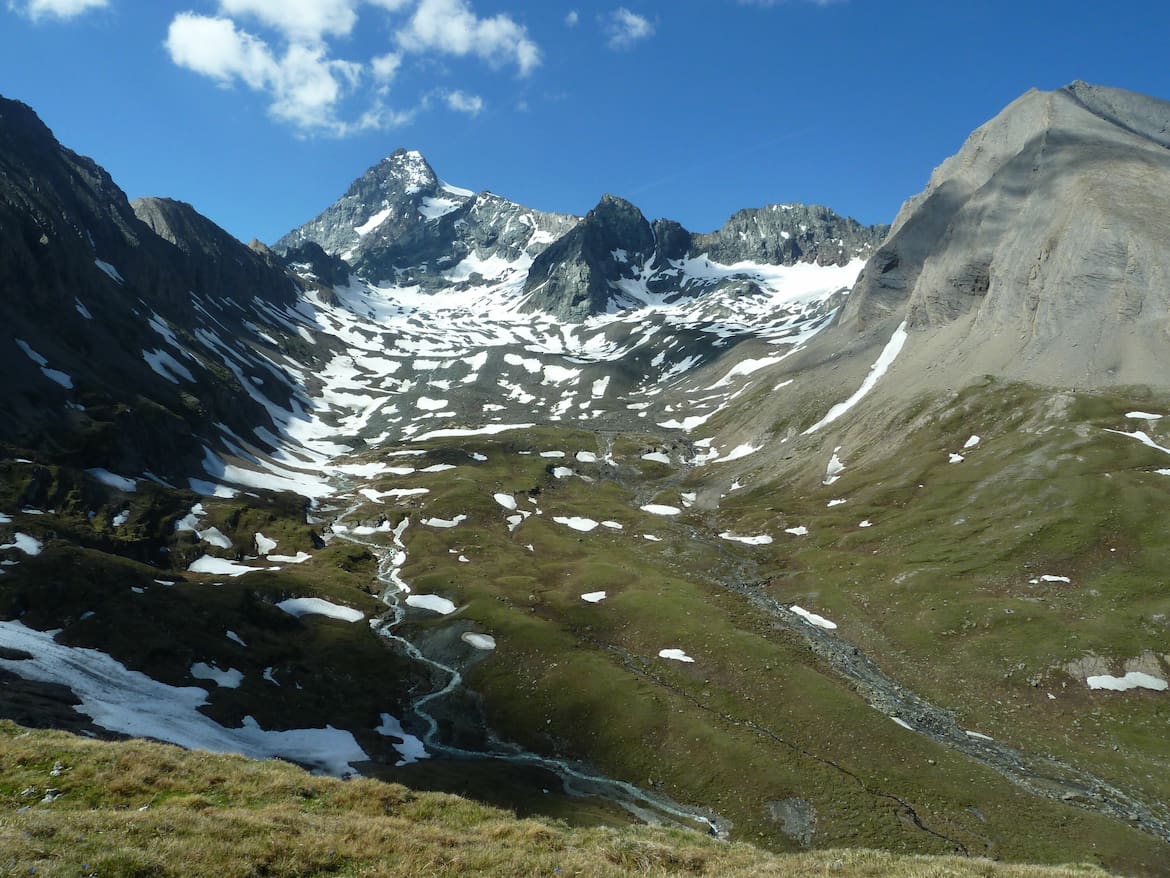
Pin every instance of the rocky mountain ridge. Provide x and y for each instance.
(112, 376)
(400, 225)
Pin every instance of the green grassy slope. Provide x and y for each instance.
(936, 592)
(125, 810)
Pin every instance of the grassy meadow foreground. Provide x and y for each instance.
(71, 806)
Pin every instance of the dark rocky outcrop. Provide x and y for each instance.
(90, 290)
(575, 277)
(214, 260)
(785, 234)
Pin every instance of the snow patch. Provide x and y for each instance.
(813, 618)
(834, 469)
(576, 523)
(130, 703)
(225, 679)
(659, 509)
(431, 602)
(113, 480)
(759, 540)
(1132, 680)
(411, 749)
(444, 522)
(24, 543)
(876, 371)
(479, 641)
(320, 607)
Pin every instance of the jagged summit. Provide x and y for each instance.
(399, 224)
(785, 234)
(577, 275)
(386, 202)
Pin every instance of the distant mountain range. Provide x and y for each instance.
(399, 225)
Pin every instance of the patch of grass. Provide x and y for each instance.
(138, 809)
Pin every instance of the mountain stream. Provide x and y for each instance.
(577, 780)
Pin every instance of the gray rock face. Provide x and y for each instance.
(582, 274)
(1040, 251)
(785, 234)
(214, 259)
(575, 277)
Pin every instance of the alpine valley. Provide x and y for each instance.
(801, 532)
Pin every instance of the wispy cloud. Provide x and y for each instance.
(284, 49)
(625, 28)
(450, 27)
(58, 9)
(462, 102)
(572, 18)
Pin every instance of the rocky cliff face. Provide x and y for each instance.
(1039, 251)
(577, 276)
(103, 308)
(785, 234)
(213, 259)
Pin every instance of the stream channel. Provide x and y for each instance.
(577, 780)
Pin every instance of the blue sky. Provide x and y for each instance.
(260, 112)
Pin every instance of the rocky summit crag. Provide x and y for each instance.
(790, 531)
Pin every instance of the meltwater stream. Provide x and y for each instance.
(648, 807)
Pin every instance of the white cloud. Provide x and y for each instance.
(62, 9)
(385, 67)
(215, 48)
(300, 20)
(284, 50)
(451, 27)
(308, 86)
(572, 18)
(626, 28)
(304, 84)
(462, 102)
